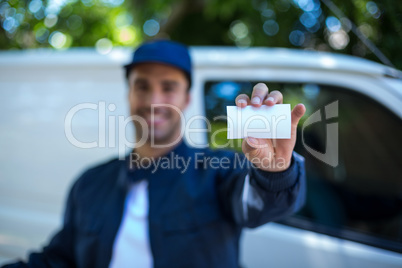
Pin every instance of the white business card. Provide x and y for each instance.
(269, 122)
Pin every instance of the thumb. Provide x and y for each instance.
(253, 144)
(297, 113)
(253, 147)
(250, 146)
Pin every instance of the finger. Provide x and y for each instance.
(242, 100)
(297, 113)
(257, 149)
(274, 97)
(260, 91)
(254, 143)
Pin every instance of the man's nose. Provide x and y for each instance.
(156, 97)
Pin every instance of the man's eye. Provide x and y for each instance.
(141, 88)
(168, 89)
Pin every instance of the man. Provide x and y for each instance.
(134, 213)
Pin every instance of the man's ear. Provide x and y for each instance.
(129, 74)
(128, 90)
(188, 99)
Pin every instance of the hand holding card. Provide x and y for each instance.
(267, 142)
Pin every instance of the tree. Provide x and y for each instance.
(307, 24)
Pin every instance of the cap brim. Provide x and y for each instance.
(128, 66)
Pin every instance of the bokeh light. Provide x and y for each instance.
(112, 3)
(268, 13)
(366, 29)
(297, 38)
(54, 6)
(41, 34)
(104, 46)
(123, 19)
(333, 24)
(311, 91)
(308, 19)
(244, 42)
(239, 33)
(373, 9)
(346, 24)
(271, 27)
(35, 6)
(126, 35)
(58, 40)
(151, 27)
(87, 3)
(239, 29)
(10, 24)
(51, 20)
(308, 5)
(338, 40)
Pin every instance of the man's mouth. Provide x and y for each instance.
(156, 119)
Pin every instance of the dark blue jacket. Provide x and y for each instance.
(195, 215)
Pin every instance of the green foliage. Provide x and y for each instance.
(306, 24)
(218, 137)
(34, 24)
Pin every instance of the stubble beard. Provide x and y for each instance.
(172, 134)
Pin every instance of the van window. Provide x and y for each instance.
(361, 198)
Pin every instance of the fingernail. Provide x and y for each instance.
(256, 100)
(242, 101)
(270, 99)
(252, 140)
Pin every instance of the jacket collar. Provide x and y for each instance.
(133, 170)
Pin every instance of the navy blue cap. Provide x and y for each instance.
(165, 52)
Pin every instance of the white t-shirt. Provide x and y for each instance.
(131, 246)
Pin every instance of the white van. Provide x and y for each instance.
(353, 212)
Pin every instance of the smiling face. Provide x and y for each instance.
(154, 89)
